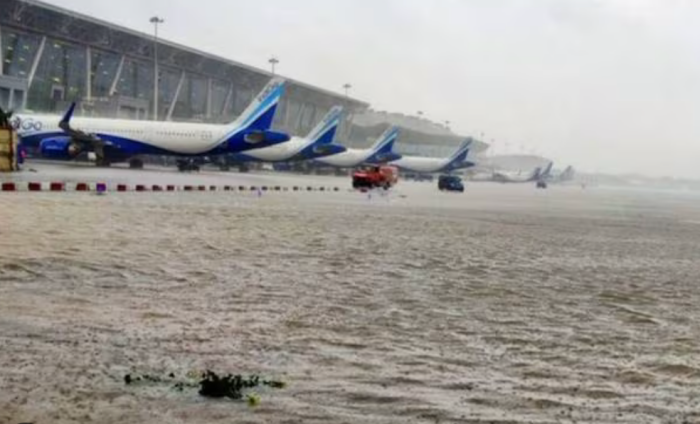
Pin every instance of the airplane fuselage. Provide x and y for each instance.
(278, 153)
(351, 158)
(428, 165)
(135, 137)
(113, 140)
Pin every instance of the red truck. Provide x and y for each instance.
(375, 177)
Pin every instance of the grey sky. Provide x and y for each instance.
(606, 85)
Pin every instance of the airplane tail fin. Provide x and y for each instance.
(459, 158)
(260, 113)
(547, 172)
(325, 131)
(568, 174)
(68, 116)
(536, 174)
(383, 149)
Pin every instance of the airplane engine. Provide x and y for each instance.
(327, 149)
(267, 137)
(59, 148)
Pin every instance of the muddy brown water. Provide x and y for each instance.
(503, 305)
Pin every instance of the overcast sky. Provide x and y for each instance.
(605, 85)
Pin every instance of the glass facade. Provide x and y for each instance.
(71, 71)
(104, 67)
(61, 75)
(307, 119)
(196, 97)
(219, 91)
(293, 111)
(136, 80)
(182, 108)
(167, 87)
(242, 98)
(18, 52)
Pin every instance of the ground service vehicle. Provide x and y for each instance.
(375, 177)
(450, 183)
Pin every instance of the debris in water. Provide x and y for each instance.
(212, 385)
(253, 400)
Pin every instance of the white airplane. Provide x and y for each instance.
(566, 175)
(437, 165)
(118, 140)
(317, 144)
(380, 152)
(537, 174)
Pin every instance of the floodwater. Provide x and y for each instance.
(502, 305)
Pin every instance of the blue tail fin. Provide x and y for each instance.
(459, 158)
(324, 133)
(547, 171)
(261, 111)
(383, 149)
(69, 114)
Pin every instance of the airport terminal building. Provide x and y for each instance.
(419, 136)
(52, 56)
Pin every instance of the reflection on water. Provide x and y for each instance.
(401, 311)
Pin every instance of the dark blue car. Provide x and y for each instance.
(450, 183)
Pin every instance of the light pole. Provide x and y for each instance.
(347, 87)
(273, 61)
(155, 21)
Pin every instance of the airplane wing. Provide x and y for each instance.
(83, 140)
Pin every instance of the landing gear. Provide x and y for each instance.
(541, 185)
(187, 166)
(135, 164)
(102, 163)
(224, 166)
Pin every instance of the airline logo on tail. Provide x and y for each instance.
(259, 115)
(383, 149)
(319, 142)
(325, 131)
(459, 159)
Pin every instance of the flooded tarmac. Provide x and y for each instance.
(502, 305)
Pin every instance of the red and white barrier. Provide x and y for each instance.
(57, 186)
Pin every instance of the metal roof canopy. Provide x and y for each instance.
(27, 15)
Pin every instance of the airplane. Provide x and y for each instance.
(118, 140)
(317, 144)
(566, 175)
(509, 177)
(381, 152)
(537, 174)
(426, 165)
(546, 174)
